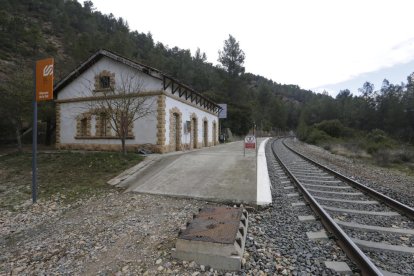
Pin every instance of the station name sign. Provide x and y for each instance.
(44, 80)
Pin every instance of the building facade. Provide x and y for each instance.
(177, 117)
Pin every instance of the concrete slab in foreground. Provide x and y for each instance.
(216, 237)
(219, 173)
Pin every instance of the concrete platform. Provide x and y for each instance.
(221, 173)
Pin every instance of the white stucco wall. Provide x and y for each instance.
(84, 85)
(186, 111)
(144, 129)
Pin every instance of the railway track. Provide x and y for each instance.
(375, 231)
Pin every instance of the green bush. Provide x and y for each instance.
(377, 140)
(316, 136)
(373, 147)
(377, 136)
(333, 128)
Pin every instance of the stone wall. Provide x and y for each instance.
(57, 124)
(161, 122)
(172, 146)
(110, 147)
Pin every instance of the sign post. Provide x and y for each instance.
(43, 91)
(222, 115)
(249, 143)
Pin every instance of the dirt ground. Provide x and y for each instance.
(117, 233)
(82, 225)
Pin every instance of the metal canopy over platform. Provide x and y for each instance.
(189, 94)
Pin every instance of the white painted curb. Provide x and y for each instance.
(264, 195)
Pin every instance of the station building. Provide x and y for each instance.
(179, 117)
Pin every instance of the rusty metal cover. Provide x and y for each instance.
(214, 224)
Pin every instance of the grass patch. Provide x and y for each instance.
(71, 174)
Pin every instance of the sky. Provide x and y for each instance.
(318, 45)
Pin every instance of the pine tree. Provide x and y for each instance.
(232, 57)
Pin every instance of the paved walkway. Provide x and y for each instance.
(220, 173)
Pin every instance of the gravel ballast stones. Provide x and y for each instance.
(281, 245)
(370, 240)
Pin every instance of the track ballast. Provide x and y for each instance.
(375, 231)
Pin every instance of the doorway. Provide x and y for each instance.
(205, 128)
(214, 133)
(175, 132)
(194, 132)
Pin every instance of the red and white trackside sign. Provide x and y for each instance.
(250, 142)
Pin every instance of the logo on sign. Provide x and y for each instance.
(250, 139)
(44, 79)
(250, 142)
(48, 70)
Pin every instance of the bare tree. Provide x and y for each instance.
(122, 103)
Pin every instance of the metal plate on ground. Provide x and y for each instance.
(214, 224)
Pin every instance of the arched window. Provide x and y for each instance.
(103, 125)
(84, 127)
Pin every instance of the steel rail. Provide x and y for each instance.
(350, 248)
(396, 205)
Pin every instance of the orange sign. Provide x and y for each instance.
(44, 80)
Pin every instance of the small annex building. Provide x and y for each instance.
(180, 118)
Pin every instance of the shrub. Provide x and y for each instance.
(333, 128)
(373, 147)
(327, 147)
(377, 140)
(402, 156)
(316, 136)
(382, 157)
(406, 156)
(377, 136)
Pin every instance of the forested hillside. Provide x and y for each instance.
(70, 32)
